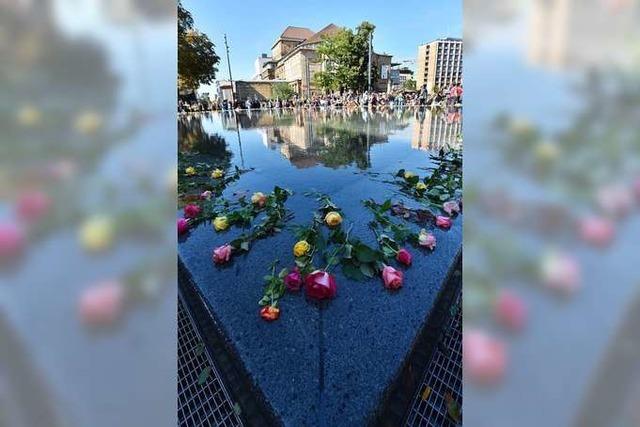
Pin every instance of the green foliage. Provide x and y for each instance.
(197, 58)
(346, 56)
(283, 91)
(409, 84)
(274, 289)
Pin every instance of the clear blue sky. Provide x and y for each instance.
(253, 26)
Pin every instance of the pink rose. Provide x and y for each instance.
(32, 205)
(443, 222)
(597, 231)
(102, 303)
(404, 257)
(191, 211)
(183, 226)
(392, 278)
(510, 311)
(616, 200)
(484, 358)
(206, 195)
(320, 285)
(561, 273)
(293, 280)
(222, 254)
(451, 207)
(426, 239)
(12, 240)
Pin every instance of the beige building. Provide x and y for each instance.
(439, 63)
(295, 60)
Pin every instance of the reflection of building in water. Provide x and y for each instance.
(578, 34)
(432, 131)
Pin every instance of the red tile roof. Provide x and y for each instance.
(298, 33)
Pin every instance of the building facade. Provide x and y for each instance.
(294, 59)
(439, 63)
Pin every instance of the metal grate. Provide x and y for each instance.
(202, 397)
(443, 375)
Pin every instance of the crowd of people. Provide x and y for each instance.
(444, 97)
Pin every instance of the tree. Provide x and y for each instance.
(346, 59)
(409, 84)
(197, 58)
(283, 91)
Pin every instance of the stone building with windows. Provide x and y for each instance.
(439, 63)
(294, 59)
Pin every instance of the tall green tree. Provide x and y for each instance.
(345, 56)
(283, 91)
(197, 58)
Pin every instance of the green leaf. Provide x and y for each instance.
(352, 272)
(283, 273)
(367, 270)
(199, 349)
(347, 251)
(453, 408)
(364, 253)
(386, 205)
(244, 246)
(204, 375)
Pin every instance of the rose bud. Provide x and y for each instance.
(392, 278)
(206, 195)
(293, 280)
(443, 222)
(269, 313)
(510, 311)
(404, 257)
(217, 173)
(451, 207)
(597, 231)
(191, 211)
(560, 273)
(190, 171)
(12, 240)
(102, 304)
(259, 199)
(333, 219)
(222, 254)
(483, 357)
(426, 239)
(221, 223)
(301, 248)
(183, 226)
(320, 285)
(32, 205)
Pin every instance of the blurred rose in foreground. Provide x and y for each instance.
(87, 89)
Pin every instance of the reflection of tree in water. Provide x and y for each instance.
(199, 146)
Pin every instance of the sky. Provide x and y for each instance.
(253, 26)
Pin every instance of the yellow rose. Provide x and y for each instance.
(259, 199)
(29, 116)
(221, 223)
(333, 219)
(421, 186)
(190, 170)
(409, 175)
(97, 233)
(217, 173)
(88, 122)
(301, 248)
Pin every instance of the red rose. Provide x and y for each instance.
(183, 226)
(269, 313)
(392, 278)
(510, 311)
(32, 205)
(191, 211)
(443, 222)
(293, 280)
(320, 285)
(404, 257)
(222, 254)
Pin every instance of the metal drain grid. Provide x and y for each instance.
(206, 404)
(443, 375)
